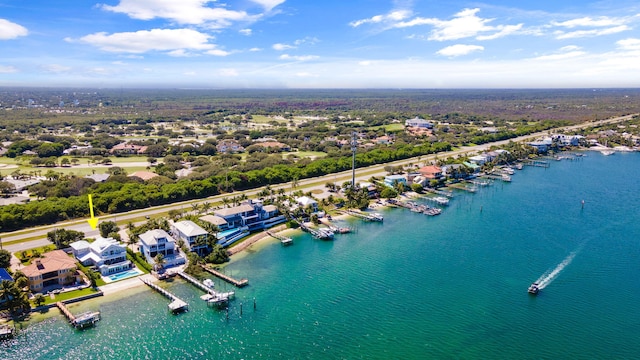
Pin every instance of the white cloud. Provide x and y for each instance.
(228, 72)
(7, 69)
(10, 30)
(590, 33)
(189, 73)
(566, 52)
(459, 50)
(304, 74)
(464, 24)
(602, 21)
(217, 52)
(193, 12)
(503, 31)
(392, 17)
(255, 49)
(629, 44)
(268, 4)
(170, 40)
(282, 47)
(246, 32)
(297, 57)
(56, 68)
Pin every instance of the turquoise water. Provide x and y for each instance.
(123, 275)
(413, 287)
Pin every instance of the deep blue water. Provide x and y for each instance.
(414, 287)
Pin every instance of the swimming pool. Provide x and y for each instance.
(123, 275)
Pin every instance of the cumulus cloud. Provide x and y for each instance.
(255, 49)
(392, 17)
(282, 47)
(464, 24)
(176, 41)
(10, 30)
(629, 44)
(217, 52)
(192, 12)
(297, 57)
(459, 50)
(246, 32)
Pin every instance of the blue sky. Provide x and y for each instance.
(320, 44)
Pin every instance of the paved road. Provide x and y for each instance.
(363, 174)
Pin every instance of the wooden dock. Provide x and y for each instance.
(176, 304)
(283, 239)
(463, 187)
(364, 216)
(536, 163)
(81, 321)
(237, 283)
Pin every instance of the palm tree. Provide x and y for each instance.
(160, 262)
(206, 206)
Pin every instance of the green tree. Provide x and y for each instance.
(39, 299)
(5, 258)
(107, 228)
(6, 188)
(62, 237)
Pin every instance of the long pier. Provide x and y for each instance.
(176, 303)
(237, 283)
(448, 194)
(462, 187)
(537, 163)
(82, 320)
(367, 217)
(283, 239)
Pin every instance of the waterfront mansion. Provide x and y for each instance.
(108, 255)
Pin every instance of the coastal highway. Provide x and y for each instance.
(13, 240)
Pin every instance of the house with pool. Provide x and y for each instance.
(238, 221)
(107, 255)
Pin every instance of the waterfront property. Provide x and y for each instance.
(431, 172)
(157, 241)
(251, 214)
(305, 201)
(194, 237)
(108, 255)
(54, 269)
(393, 180)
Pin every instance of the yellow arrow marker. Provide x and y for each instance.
(94, 220)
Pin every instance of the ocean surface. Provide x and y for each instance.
(452, 286)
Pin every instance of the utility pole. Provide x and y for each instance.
(354, 146)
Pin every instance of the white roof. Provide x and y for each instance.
(214, 219)
(305, 200)
(79, 245)
(102, 243)
(151, 237)
(189, 228)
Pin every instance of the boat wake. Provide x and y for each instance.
(551, 274)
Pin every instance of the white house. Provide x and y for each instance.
(305, 201)
(106, 254)
(419, 123)
(157, 241)
(194, 237)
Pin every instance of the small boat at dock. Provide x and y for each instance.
(208, 283)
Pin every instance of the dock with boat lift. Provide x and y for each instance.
(283, 239)
(176, 304)
(81, 321)
(448, 194)
(212, 296)
(237, 283)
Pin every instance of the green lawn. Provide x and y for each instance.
(69, 295)
(388, 127)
